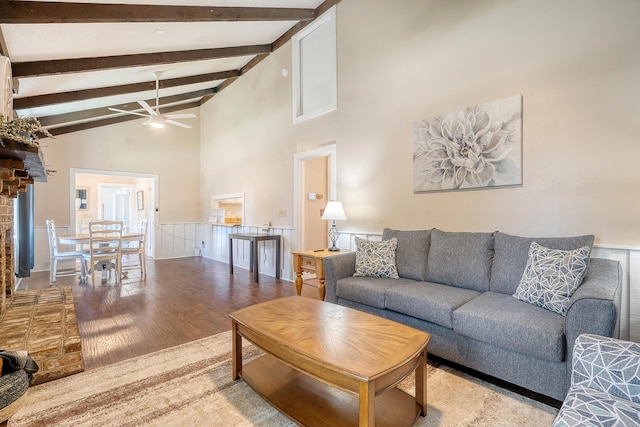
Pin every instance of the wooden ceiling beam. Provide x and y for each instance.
(79, 95)
(79, 65)
(114, 120)
(77, 116)
(27, 12)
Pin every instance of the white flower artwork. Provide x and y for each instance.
(478, 147)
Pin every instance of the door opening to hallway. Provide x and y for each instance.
(315, 198)
(314, 185)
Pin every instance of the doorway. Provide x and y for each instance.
(115, 201)
(127, 197)
(314, 176)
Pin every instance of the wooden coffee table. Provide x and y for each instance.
(325, 364)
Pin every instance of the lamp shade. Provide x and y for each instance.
(334, 211)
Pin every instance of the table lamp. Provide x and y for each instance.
(333, 211)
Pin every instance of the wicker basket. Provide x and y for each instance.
(13, 391)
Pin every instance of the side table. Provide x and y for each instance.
(253, 262)
(312, 262)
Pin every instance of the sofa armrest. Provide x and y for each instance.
(608, 365)
(595, 306)
(337, 267)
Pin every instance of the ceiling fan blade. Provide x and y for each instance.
(147, 108)
(180, 116)
(177, 124)
(126, 112)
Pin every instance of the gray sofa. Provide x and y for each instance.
(459, 287)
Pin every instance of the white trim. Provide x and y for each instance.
(298, 179)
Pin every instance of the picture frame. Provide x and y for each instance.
(140, 200)
(82, 198)
(479, 147)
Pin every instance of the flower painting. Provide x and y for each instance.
(478, 147)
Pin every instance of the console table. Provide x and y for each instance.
(253, 260)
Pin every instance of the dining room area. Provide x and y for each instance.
(97, 195)
(109, 232)
(106, 251)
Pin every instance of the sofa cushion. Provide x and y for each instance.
(506, 322)
(585, 406)
(552, 276)
(412, 252)
(460, 259)
(511, 253)
(376, 259)
(367, 290)
(428, 301)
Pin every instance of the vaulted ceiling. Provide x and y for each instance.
(71, 61)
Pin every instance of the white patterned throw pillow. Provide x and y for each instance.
(552, 276)
(376, 259)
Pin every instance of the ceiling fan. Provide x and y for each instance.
(155, 119)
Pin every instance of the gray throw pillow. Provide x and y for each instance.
(376, 259)
(552, 276)
(412, 252)
(511, 253)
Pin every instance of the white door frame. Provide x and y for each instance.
(153, 199)
(298, 185)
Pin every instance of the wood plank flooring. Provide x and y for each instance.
(181, 300)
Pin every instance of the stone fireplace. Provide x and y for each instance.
(7, 284)
(41, 321)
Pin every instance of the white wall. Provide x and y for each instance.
(574, 62)
(172, 153)
(399, 62)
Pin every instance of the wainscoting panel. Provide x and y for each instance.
(177, 240)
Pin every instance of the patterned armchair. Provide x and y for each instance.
(605, 384)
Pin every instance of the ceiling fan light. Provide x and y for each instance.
(157, 123)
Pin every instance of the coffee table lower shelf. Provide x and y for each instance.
(310, 402)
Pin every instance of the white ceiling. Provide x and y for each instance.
(28, 42)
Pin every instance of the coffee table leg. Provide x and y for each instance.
(421, 383)
(367, 404)
(236, 350)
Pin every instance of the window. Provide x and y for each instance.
(314, 68)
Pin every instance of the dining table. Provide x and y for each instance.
(85, 239)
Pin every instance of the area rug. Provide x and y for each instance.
(191, 385)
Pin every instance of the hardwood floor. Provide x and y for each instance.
(181, 300)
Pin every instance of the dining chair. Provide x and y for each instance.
(56, 256)
(138, 249)
(105, 248)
